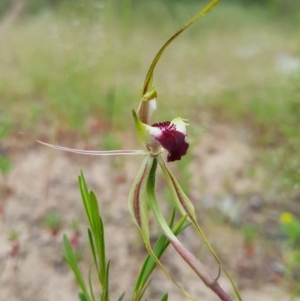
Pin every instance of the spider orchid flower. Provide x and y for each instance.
(169, 136)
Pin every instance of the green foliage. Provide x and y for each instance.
(13, 235)
(5, 164)
(291, 228)
(278, 124)
(96, 236)
(53, 222)
(149, 264)
(249, 233)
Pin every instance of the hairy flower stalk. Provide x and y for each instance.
(169, 136)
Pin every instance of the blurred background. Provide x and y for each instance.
(71, 71)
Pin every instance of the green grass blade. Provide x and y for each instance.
(90, 284)
(165, 297)
(121, 297)
(159, 248)
(98, 236)
(149, 76)
(96, 232)
(138, 206)
(107, 281)
(184, 205)
(84, 195)
(81, 297)
(142, 292)
(91, 240)
(70, 258)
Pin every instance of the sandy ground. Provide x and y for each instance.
(44, 181)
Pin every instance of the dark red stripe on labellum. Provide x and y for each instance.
(136, 198)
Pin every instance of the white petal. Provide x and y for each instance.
(180, 124)
(153, 131)
(152, 106)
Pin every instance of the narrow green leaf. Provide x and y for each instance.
(160, 219)
(149, 77)
(171, 222)
(107, 281)
(184, 205)
(70, 258)
(142, 292)
(90, 284)
(81, 297)
(138, 198)
(121, 297)
(84, 195)
(96, 231)
(103, 295)
(165, 297)
(93, 251)
(159, 248)
(96, 236)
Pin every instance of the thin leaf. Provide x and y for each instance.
(96, 233)
(107, 281)
(90, 284)
(165, 297)
(149, 76)
(138, 205)
(159, 248)
(184, 205)
(121, 297)
(70, 258)
(171, 222)
(93, 251)
(81, 296)
(141, 292)
(85, 196)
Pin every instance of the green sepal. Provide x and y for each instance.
(138, 198)
(151, 94)
(153, 204)
(184, 205)
(141, 128)
(159, 248)
(149, 77)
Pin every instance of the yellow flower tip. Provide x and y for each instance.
(152, 94)
(286, 218)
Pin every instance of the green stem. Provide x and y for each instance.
(187, 256)
(184, 205)
(138, 206)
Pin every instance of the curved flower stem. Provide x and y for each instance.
(190, 259)
(138, 207)
(184, 205)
